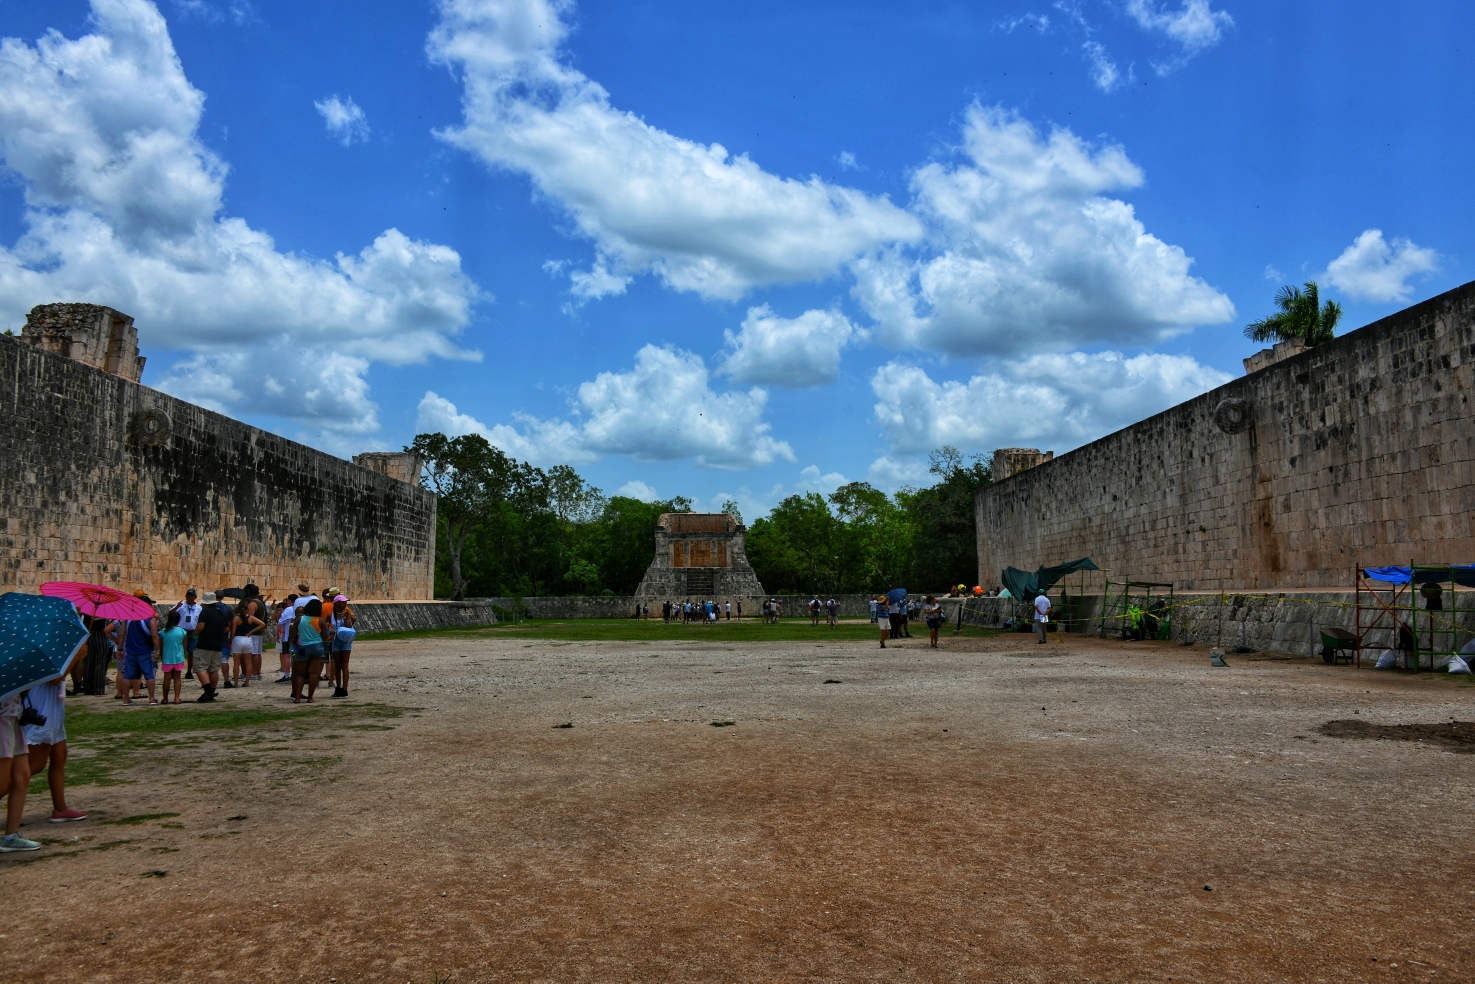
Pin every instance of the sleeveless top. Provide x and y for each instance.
(307, 632)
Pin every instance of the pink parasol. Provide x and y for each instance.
(99, 600)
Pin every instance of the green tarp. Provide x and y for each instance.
(1023, 584)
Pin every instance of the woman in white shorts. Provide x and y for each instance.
(15, 775)
(48, 747)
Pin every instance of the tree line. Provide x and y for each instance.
(508, 529)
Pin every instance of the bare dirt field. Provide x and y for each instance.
(815, 811)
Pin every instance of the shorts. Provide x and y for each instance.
(50, 733)
(257, 643)
(307, 651)
(245, 645)
(12, 741)
(189, 644)
(171, 668)
(934, 624)
(138, 666)
(342, 647)
(207, 661)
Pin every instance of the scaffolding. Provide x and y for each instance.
(1116, 606)
(1389, 616)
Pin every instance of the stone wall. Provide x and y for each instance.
(1357, 452)
(107, 481)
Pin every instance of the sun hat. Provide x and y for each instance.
(338, 598)
(208, 597)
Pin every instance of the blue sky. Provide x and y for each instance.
(723, 250)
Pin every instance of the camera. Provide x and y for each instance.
(30, 716)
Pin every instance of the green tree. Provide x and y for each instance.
(468, 476)
(1301, 315)
(944, 519)
(881, 535)
(798, 546)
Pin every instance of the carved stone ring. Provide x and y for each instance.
(1232, 416)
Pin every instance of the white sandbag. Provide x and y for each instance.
(1458, 665)
(1388, 661)
(1468, 647)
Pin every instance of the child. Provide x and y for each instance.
(172, 645)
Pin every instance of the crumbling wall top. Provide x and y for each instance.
(100, 336)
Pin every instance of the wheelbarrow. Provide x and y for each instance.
(1337, 644)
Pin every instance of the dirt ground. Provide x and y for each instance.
(991, 811)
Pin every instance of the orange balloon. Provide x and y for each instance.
(977, 590)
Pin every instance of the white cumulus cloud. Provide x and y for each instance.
(697, 216)
(1053, 400)
(1373, 269)
(636, 489)
(123, 206)
(1194, 26)
(344, 119)
(664, 409)
(797, 352)
(1025, 251)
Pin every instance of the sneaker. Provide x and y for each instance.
(285, 678)
(340, 692)
(256, 677)
(205, 698)
(62, 816)
(15, 842)
(229, 685)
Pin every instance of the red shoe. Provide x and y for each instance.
(62, 816)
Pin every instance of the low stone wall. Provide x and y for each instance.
(1289, 622)
(400, 616)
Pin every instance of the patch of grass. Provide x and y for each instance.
(134, 821)
(109, 845)
(566, 724)
(155, 873)
(164, 850)
(11, 861)
(723, 724)
(654, 630)
(108, 745)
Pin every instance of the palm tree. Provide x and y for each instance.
(1301, 315)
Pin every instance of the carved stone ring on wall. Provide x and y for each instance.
(152, 427)
(1232, 416)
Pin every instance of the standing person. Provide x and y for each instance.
(740, 608)
(189, 619)
(15, 774)
(932, 612)
(814, 611)
(327, 599)
(140, 643)
(883, 619)
(1042, 617)
(48, 747)
(284, 637)
(873, 609)
(728, 607)
(342, 621)
(238, 671)
(257, 607)
(893, 614)
(213, 636)
(171, 655)
(832, 612)
(904, 618)
(307, 650)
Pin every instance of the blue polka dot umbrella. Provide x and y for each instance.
(39, 638)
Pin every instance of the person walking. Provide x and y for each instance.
(15, 774)
(307, 650)
(341, 622)
(171, 656)
(213, 636)
(882, 617)
(140, 644)
(1042, 617)
(932, 612)
(47, 745)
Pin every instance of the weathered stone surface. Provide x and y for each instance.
(89, 333)
(86, 495)
(699, 556)
(1358, 453)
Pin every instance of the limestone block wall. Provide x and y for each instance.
(1357, 452)
(107, 481)
(699, 556)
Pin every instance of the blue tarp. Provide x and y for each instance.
(1461, 574)
(1023, 584)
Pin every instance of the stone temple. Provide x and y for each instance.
(699, 555)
